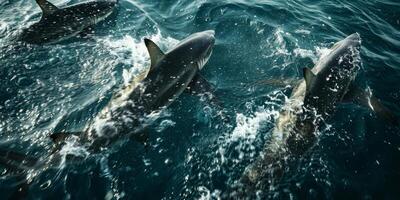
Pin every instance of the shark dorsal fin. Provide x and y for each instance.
(154, 51)
(62, 136)
(47, 7)
(309, 77)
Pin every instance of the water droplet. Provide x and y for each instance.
(45, 185)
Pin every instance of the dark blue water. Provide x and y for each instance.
(193, 153)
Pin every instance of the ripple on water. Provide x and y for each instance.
(63, 86)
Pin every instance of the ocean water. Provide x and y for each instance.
(193, 154)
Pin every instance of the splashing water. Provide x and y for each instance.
(193, 154)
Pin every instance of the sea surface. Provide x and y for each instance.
(193, 153)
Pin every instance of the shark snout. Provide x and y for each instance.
(209, 37)
(207, 41)
(354, 36)
(210, 33)
(211, 41)
(354, 39)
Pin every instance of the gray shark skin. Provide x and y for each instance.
(57, 24)
(313, 100)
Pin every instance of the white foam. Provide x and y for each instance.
(72, 146)
(303, 31)
(247, 127)
(322, 51)
(156, 115)
(204, 192)
(134, 53)
(304, 53)
(279, 40)
(165, 124)
(3, 26)
(314, 55)
(245, 133)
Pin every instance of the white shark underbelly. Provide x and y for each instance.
(286, 121)
(104, 125)
(276, 148)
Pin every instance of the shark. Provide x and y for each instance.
(314, 100)
(58, 24)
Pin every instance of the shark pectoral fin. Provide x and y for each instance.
(367, 99)
(383, 112)
(155, 53)
(47, 7)
(200, 85)
(277, 82)
(309, 77)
